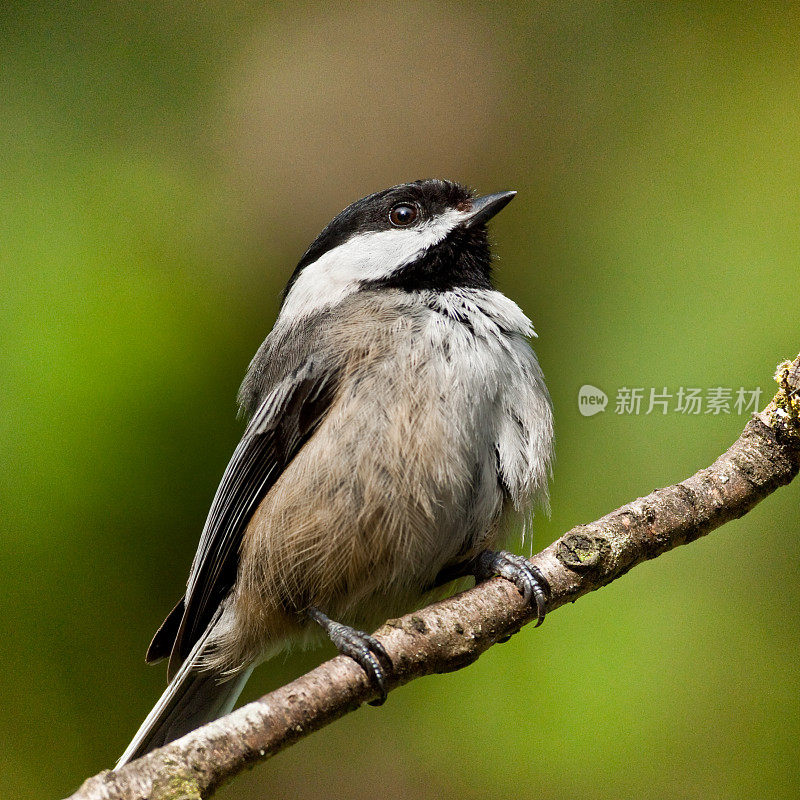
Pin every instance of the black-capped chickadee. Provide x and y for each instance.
(396, 413)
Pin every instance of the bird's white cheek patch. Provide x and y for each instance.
(364, 257)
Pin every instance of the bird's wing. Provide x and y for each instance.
(286, 418)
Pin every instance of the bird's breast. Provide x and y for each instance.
(399, 479)
(399, 474)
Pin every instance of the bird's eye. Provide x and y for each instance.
(402, 214)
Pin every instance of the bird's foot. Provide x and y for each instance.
(364, 649)
(528, 579)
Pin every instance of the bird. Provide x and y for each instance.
(398, 423)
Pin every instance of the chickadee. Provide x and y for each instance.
(396, 413)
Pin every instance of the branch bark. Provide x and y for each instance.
(451, 634)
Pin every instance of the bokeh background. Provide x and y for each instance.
(162, 167)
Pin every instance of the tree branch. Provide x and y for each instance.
(452, 633)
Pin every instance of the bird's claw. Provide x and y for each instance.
(363, 648)
(515, 568)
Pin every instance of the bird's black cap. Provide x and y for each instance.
(461, 258)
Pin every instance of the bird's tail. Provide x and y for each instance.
(194, 696)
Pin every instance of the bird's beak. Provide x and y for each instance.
(484, 208)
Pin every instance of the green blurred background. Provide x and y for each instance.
(163, 166)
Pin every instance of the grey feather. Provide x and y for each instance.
(193, 697)
(286, 417)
